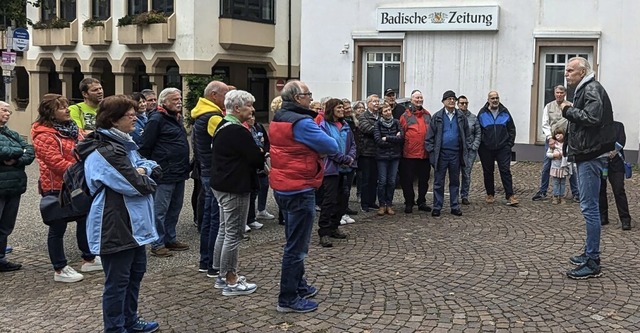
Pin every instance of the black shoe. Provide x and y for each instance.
(351, 211)
(581, 259)
(365, 209)
(424, 208)
(325, 241)
(408, 209)
(604, 221)
(435, 213)
(590, 269)
(338, 234)
(539, 196)
(465, 201)
(213, 273)
(456, 212)
(626, 225)
(374, 206)
(9, 266)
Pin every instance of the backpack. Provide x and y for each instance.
(75, 191)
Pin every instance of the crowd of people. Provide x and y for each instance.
(137, 157)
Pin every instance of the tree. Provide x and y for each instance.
(14, 12)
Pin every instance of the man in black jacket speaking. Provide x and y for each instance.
(590, 138)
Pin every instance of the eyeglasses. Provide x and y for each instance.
(463, 103)
(494, 98)
(7, 111)
(130, 115)
(310, 94)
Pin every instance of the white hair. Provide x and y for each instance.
(237, 98)
(166, 92)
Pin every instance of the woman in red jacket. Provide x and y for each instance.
(55, 136)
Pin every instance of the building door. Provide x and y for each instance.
(259, 88)
(381, 70)
(552, 64)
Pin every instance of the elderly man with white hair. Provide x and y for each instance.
(164, 140)
(235, 160)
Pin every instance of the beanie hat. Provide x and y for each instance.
(447, 94)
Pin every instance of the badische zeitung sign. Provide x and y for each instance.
(437, 18)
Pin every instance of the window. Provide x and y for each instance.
(381, 71)
(64, 9)
(141, 6)
(249, 10)
(100, 9)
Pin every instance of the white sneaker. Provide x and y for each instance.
(68, 275)
(96, 265)
(247, 228)
(255, 225)
(263, 214)
(342, 221)
(348, 218)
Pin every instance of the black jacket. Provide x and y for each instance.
(202, 141)
(590, 132)
(366, 125)
(616, 164)
(164, 140)
(391, 148)
(235, 159)
(499, 132)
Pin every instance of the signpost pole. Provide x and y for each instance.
(7, 80)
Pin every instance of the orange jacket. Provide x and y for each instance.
(54, 153)
(415, 125)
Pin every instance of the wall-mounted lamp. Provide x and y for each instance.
(345, 49)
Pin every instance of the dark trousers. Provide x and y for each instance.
(347, 182)
(55, 243)
(334, 205)
(448, 160)
(503, 157)
(197, 202)
(410, 168)
(8, 213)
(123, 272)
(210, 224)
(261, 195)
(616, 179)
(369, 171)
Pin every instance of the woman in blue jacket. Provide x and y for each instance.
(121, 220)
(335, 200)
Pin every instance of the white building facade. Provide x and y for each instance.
(519, 48)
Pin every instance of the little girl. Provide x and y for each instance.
(560, 167)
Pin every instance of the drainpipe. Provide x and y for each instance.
(289, 46)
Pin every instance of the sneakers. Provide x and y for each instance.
(456, 212)
(490, 199)
(343, 222)
(9, 266)
(512, 201)
(177, 246)
(382, 210)
(161, 252)
(247, 228)
(95, 265)
(68, 275)
(325, 241)
(255, 225)
(581, 259)
(317, 208)
(220, 282)
(263, 214)
(390, 211)
(8, 249)
(626, 225)
(145, 326)
(310, 292)
(589, 269)
(539, 196)
(347, 219)
(242, 287)
(301, 306)
(555, 200)
(213, 273)
(465, 201)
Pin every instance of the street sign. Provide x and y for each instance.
(8, 60)
(280, 84)
(21, 39)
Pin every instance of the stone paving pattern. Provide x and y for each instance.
(495, 269)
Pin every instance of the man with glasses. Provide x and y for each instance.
(297, 149)
(472, 152)
(396, 109)
(367, 159)
(498, 137)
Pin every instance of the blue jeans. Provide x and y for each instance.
(589, 179)
(167, 203)
(55, 243)
(546, 169)
(123, 272)
(299, 214)
(387, 171)
(469, 159)
(448, 160)
(210, 224)
(263, 192)
(558, 186)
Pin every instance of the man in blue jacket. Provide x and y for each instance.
(164, 140)
(498, 137)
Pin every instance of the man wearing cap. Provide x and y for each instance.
(396, 109)
(447, 142)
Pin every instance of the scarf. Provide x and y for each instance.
(67, 129)
(177, 115)
(232, 119)
(118, 134)
(387, 123)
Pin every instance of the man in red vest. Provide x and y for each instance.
(297, 149)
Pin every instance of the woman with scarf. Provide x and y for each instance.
(335, 198)
(389, 140)
(120, 222)
(54, 136)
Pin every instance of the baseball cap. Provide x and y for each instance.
(389, 91)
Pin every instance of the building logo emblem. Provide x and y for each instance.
(438, 17)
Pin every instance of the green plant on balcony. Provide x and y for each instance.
(126, 20)
(54, 23)
(92, 23)
(142, 19)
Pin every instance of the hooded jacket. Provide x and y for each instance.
(207, 117)
(13, 179)
(54, 153)
(121, 217)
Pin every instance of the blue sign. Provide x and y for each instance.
(21, 39)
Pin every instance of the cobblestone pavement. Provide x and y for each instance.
(495, 269)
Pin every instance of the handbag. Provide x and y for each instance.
(52, 212)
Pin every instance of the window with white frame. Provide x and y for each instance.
(381, 70)
(135, 7)
(63, 9)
